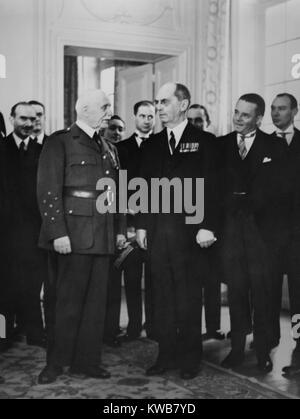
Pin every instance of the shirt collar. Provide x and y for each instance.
(178, 131)
(139, 137)
(19, 140)
(39, 138)
(86, 128)
(249, 136)
(289, 130)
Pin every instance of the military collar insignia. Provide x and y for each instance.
(189, 147)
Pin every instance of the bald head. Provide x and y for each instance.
(172, 103)
(93, 107)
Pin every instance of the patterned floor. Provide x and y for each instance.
(21, 366)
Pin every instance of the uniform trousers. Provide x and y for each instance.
(80, 281)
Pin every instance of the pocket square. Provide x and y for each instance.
(267, 160)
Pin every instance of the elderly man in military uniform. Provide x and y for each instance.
(79, 239)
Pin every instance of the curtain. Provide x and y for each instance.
(70, 89)
(217, 73)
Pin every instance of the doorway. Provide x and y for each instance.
(127, 78)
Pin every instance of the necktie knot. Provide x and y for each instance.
(172, 142)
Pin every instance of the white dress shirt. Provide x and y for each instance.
(178, 132)
(39, 139)
(19, 141)
(139, 136)
(289, 133)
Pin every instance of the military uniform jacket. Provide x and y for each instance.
(71, 159)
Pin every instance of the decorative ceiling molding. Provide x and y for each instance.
(134, 12)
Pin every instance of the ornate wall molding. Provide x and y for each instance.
(135, 12)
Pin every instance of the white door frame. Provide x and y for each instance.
(54, 37)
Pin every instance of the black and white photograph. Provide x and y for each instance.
(150, 202)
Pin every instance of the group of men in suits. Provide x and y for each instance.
(23, 264)
(251, 206)
(250, 230)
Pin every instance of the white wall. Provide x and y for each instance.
(18, 44)
(33, 34)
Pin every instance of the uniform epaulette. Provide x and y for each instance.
(62, 131)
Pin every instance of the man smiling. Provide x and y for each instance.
(253, 204)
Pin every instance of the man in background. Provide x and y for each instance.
(284, 111)
(199, 118)
(115, 132)
(2, 127)
(38, 133)
(130, 153)
(26, 262)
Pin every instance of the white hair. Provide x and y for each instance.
(88, 98)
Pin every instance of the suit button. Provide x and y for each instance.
(83, 163)
(70, 212)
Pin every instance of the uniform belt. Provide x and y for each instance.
(80, 193)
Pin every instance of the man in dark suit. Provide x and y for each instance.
(38, 133)
(199, 117)
(115, 133)
(2, 127)
(130, 153)
(178, 153)
(79, 236)
(284, 110)
(254, 203)
(26, 262)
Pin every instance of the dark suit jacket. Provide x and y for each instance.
(72, 159)
(293, 164)
(187, 162)
(266, 191)
(20, 201)
(2, 127)
(130, 155)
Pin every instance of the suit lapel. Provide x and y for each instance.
(295, 144)
(257, 153)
